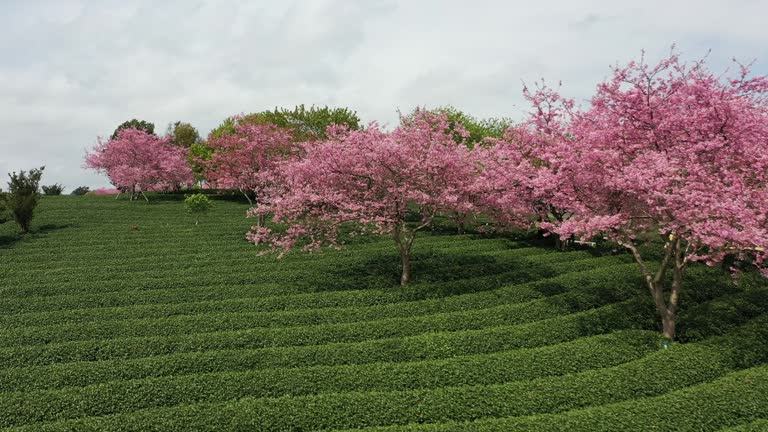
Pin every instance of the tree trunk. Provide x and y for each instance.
(260, 221)
(404, 246)
(668, 327)
(666, 308)
(406, 275)
(246, 197)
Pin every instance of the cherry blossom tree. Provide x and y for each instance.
(243, 158)
(515, 184)
(371, 180)
(137, 161)
(668, 154)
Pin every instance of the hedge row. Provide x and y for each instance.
(755, 426)
(463, 316)
(629, 314)
(734, 399)
(224, 251)
(449, 254)
(392, 351)
(133, 247)
(298, 280)
(376, 327)
(124, 396)
(661, 372)
(262, 300)
(310, 335)
(284, 313)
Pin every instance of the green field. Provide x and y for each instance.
(174, 326)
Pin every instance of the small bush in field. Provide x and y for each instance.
(81, 190)
(54, 189)
(23, 195)
(197, 205)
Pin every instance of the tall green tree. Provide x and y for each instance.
(305, 124)
(135, 124)
(182, 134)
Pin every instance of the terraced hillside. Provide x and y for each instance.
(177, 327)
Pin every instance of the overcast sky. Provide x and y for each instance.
(73, 70)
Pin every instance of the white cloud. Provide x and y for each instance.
(73, 70)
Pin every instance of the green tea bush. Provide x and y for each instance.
(197, 204)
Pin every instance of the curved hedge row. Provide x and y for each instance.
(661, 372)
(539, 333)
(755, 426)
(131, 395)
(276, 293)
(732, 400)
(386, 300)
(532, 361)
(460, 318)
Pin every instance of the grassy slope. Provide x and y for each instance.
(177, 327)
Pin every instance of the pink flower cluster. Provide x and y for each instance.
(105, 191)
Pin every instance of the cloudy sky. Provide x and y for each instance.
(73, 70)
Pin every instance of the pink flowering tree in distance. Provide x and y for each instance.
(137, 161)
(242, 159)
(666, 154)
(369, 179)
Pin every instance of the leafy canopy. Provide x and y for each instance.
(135, 124)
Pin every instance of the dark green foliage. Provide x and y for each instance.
(80, 190)
(184, 134)
(306, 124)
(4, 213)
(189, 329)
(135, 124)
(23, 195)
(54, 189)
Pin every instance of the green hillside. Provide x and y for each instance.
(126, 316)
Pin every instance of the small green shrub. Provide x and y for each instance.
(81, 190)
(197, 204)
(23, 196)
(54, 189)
